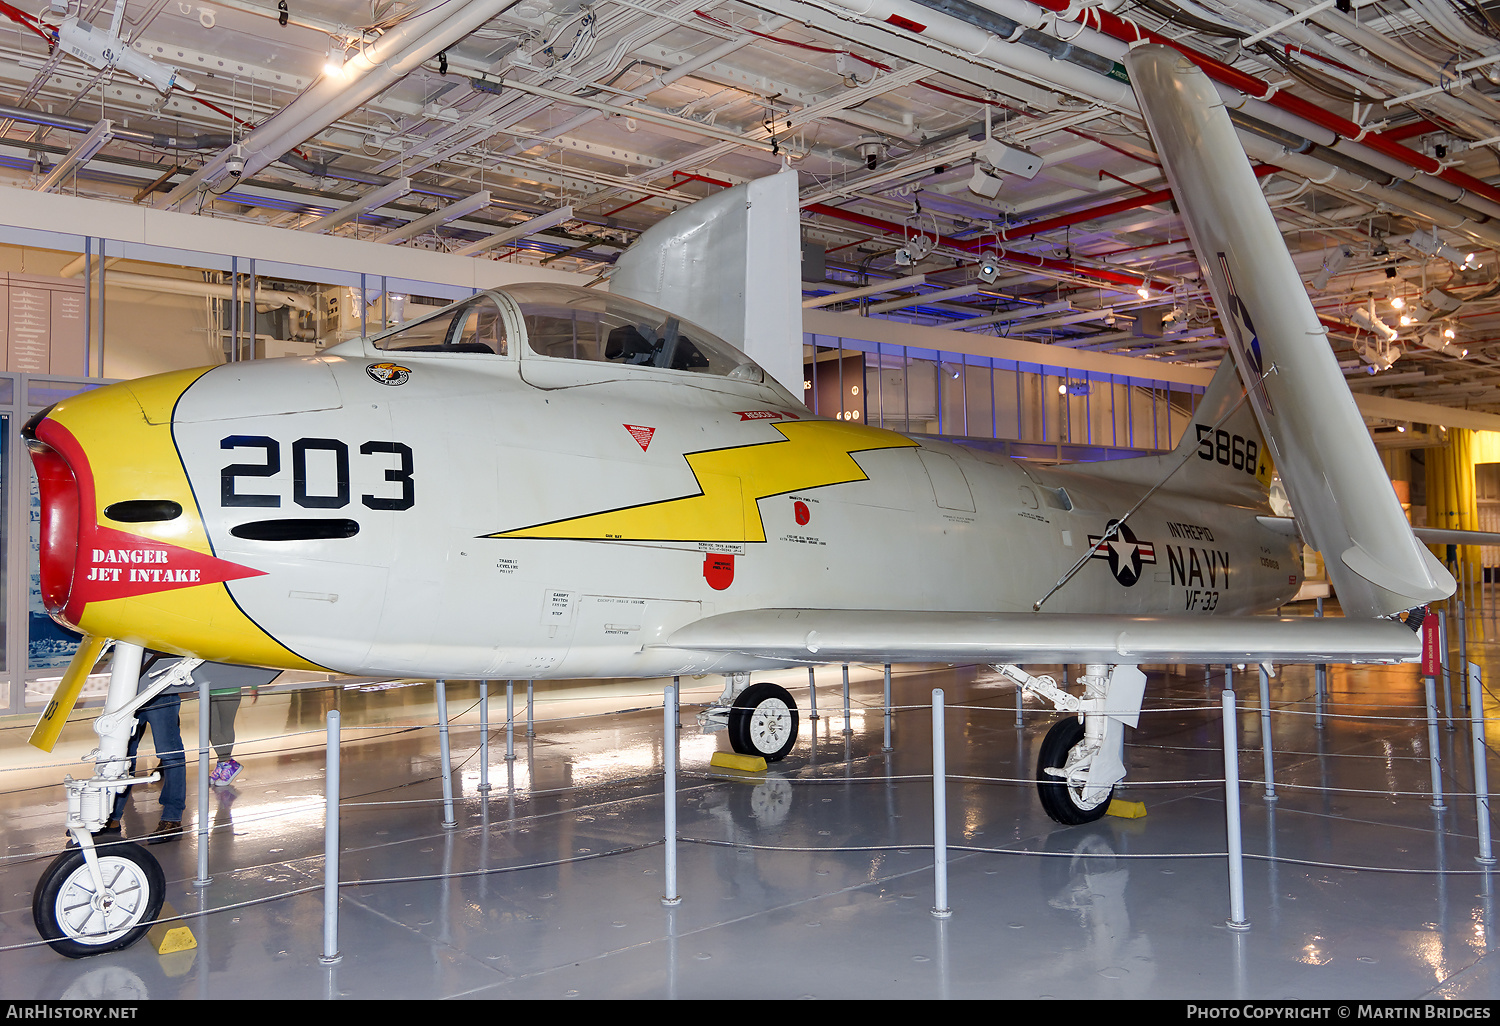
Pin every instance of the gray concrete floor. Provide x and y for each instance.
(812, 880)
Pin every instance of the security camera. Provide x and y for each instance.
(873, 149)
(235, 163)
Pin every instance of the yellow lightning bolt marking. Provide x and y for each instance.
(732, 481)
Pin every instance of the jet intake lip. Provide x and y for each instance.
(60, 500)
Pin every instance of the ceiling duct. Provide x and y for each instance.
(366, 75)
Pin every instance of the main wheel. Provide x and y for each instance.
(77, 919)
(763, 722)
(1061, 800)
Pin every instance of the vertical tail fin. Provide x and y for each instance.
(1222, 449)
(1333, 476)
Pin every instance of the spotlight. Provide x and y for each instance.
(989, 268)
(1332, 264)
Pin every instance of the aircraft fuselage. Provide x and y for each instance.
(487, 516)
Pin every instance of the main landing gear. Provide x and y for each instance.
(95, 899)
(761, 718)
(1080, 760)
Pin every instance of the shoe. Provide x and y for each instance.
(166, 831)
(110, 829)
(224, 772)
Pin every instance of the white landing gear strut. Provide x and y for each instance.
(90, 900)
(761, 718)
(1081, 758)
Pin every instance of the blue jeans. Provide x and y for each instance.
(161, 714)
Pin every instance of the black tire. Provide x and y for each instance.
(70, 919)
(763, 722)
(1058, 799)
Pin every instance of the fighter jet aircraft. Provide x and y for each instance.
(545, 481)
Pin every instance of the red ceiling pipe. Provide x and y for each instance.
(1025, 231)
(1130, 281)
(1105, 209)
(1251, 86)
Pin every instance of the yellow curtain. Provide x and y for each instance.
(1451, 499)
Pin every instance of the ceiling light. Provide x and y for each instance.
(989, 267)
(1143, 292)
(333, 61)
(1398, 302)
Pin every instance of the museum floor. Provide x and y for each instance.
(812, 880)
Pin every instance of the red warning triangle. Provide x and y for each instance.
(642, 435)
(114, 564)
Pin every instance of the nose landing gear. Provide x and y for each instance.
(82, 909)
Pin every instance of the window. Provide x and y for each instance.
(568, 323)
(473, 326)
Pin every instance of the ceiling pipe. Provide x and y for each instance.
(1111, 279)
(526, 228)
(980, 44)
(349, 211)
(152, 139)
(1305, 158)
(442, 215)
(850, 295)
(1238, 88)
(1391, 158)
(369, 73)
(1253, 87)
(666, 78)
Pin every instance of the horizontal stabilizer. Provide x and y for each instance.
(921, 636)
(1443, 536)
(1429, 535)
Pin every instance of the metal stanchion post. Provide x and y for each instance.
(669, 793)
(1463, 644)
(1237, 920)
(939, 812)
(203, 879)
(1447, 679)
(812, 693)
(1481, 766)
(887, 747)
(331, 953)
(510, 720)
(1320, 690)
(484, 737)
(848, 729)
(447, 756)
(1433, 753)
(1265, 733)
(530, 728)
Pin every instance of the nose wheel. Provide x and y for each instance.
(763, 722)
(78, 918)
(1061, 773)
